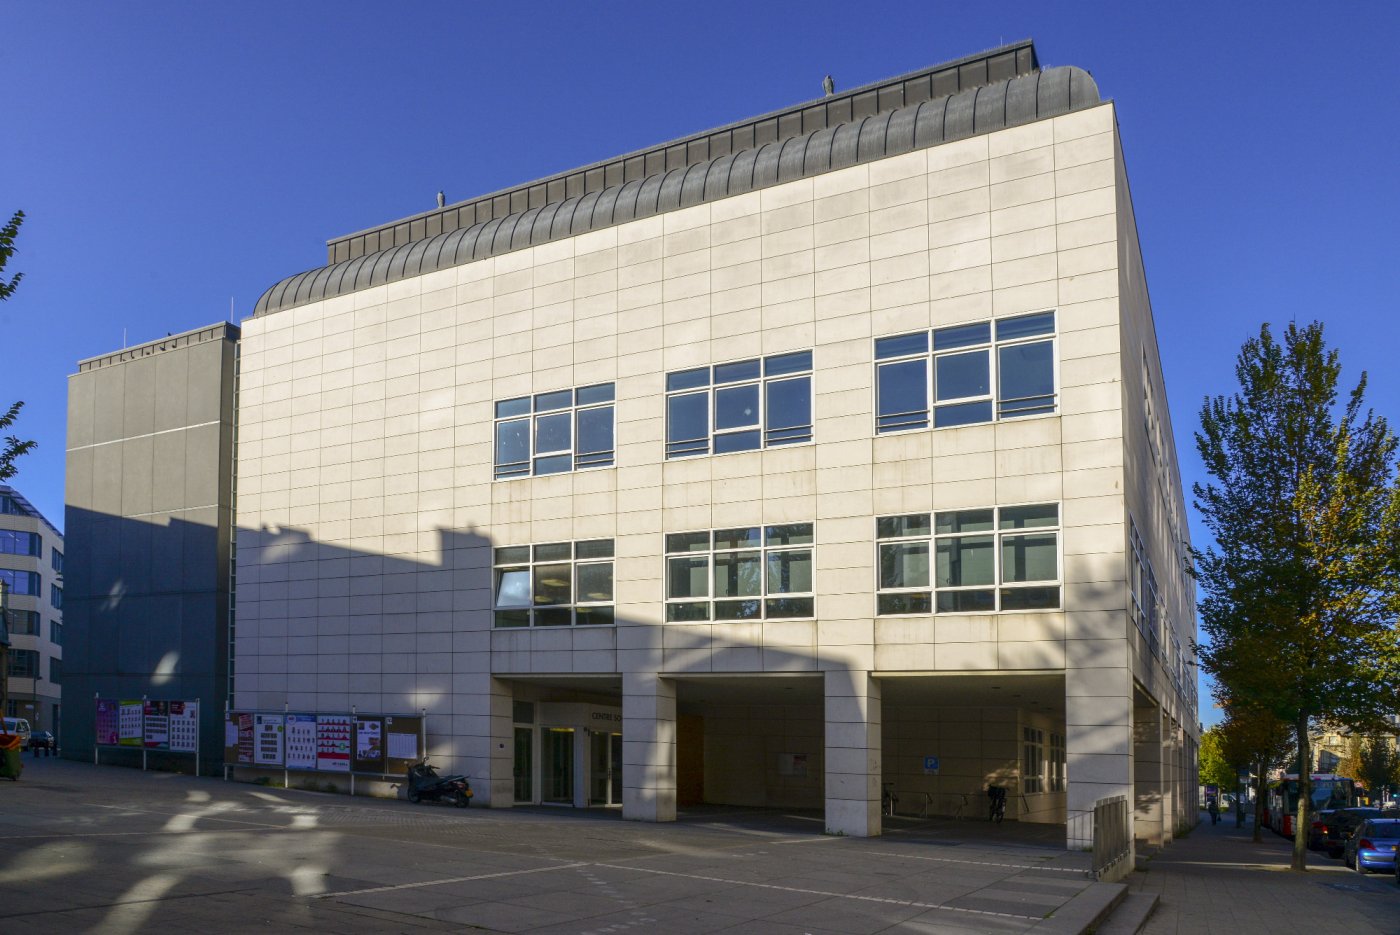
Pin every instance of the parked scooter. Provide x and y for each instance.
(425, 783)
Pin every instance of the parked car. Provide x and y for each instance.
(1317, 833)
(1340, 825)
(1372, 845)
(20, 726)
(43, 740)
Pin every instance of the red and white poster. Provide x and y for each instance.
(333, 742)
(245, 738)
(156, 725)
(184, 726)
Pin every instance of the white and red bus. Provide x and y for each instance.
(1328, 791)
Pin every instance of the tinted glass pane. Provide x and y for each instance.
(967, 560)
(512, 407)
(553, 433)
(737, 610)
(1026, 375)
(688, 611)
(789, 403)
(737, 574)
(1029, 558)
(1008, 329)
(914, 602)
(962, 336)
(554, 584)
(513, 587)
(555, 464)
(964, 521)
(791, 534)
(778, 607)
(1029, 598)
(790, 572)
(512, 618)
(553, 617)
(787, 363)
(594, 548)
(958, 376)
(595, 582)
(962, 414)
(552, 552)
(688, 424)
(901, 345)
(893, 527)
(737, 538)
(687, 379)
(736, 441)
(602, 393)
(736, 406)
(740, 370)
(559, 399)
(688, 542)
(1027, 517)
(593, 616)
(513, 444)
(966, 601)
(688, 576)
(903, 395)
(511, 554)
(904, 565)
(595, 432)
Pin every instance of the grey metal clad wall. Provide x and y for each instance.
(996, 106)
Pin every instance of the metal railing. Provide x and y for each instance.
(1107, 831)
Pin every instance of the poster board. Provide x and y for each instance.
(184, 726)
(108, 731)
(301, 741)
(155, 725)
(335, 743)
(238, 738)
(369, 744)
(267, 742)
(403, 742)
(130, 715)
(333, 740)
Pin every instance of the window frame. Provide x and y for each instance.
(1032, 748)
(32, 577)
(35, 543)
(27, 671)
(1056, 762)
(763, 381)
(926, 419)
(999, 583)
(531, 610)
(766, 597)
(532, 415)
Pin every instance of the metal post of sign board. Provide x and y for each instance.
(286, 774)
(225, 738)
(198, 713)
(354, 715)
(143, 733)
(423, 733)
(95, 697)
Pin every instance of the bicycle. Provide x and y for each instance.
(888, 799)
(996, 810)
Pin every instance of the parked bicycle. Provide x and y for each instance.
(996, 809)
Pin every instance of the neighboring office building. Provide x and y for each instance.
(31, 568)
(149, 499)
(824, 450)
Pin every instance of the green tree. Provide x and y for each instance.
(1301, 587)
(11, 446)
(1257, 741)
(1215, 769)
(1379, 768)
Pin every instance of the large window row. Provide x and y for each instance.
(14, 542)
(558, 584)
(968, 561)
(740, 406)
(550, 433)
(24, 663)
(23, 622)
(1001, 369)
(749, 573)
(21, 582)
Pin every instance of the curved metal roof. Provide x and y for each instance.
(1012, 102)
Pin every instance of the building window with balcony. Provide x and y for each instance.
(558, 584)
(740, 406)
(751, 573)
(969, 561)
(1003, 369)
(551, 433)
(1032, 759)
(14, 542)
(24, 663)
(23, 622)
(21, 582)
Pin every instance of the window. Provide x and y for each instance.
(739, 406)
(55, 670)
(1057, 763)
(551, 433)
(14, 542)
(558, 584)
(751, 573)
(21, 582)
(1032, 759)
(57, 559)
(24, 622)
(10, 506)
(966, 561)
(55, 630)
(1142, 586)
(24, 663)
(1002, 369)
(56, 596)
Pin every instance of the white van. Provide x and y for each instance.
(18, 725)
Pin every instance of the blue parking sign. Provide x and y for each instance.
(931, 764)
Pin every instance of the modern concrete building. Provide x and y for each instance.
(31, 570)
(149, 512)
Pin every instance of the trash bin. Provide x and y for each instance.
(10, 763)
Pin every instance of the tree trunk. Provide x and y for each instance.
(1259, 794)
(1300, 824)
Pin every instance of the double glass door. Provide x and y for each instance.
(557, 765)
(605, 769)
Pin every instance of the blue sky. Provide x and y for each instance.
(174, 156)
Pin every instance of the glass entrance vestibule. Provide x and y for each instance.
(568, 754)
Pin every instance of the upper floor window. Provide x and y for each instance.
(550, 433)
(751, 573)
(9, 505)
(740, 406)
(57, 560)
(56, 596)
(965, 561)
(24, 663)
(14, 542)
(21, 582)
(1142, 588)
(1001, 369)
(55, 631)
(557, 584)
(55, 670)
(23, 622)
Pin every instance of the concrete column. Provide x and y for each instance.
(1098, 729)
(1148, 787)
(1171, 761)
(852, 753)
(648, 747)
(483, 742)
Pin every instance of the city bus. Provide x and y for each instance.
(1328, 791)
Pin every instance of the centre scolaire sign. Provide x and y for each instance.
(377, 744)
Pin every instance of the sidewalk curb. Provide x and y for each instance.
(1130, 915)
(1084, 911)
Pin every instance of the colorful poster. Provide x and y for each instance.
(267, 749)
(184, 726)
(107, 729)
(155, 726)
(333, 742)
(245, 737)
(301, 741)
(369, 744)
(129, 718)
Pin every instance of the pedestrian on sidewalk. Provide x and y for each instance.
(1213, 806)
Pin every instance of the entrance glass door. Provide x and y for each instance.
(557, 765)
(524, 764)
(605, 769)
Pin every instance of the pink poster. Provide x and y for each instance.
(107, 714)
